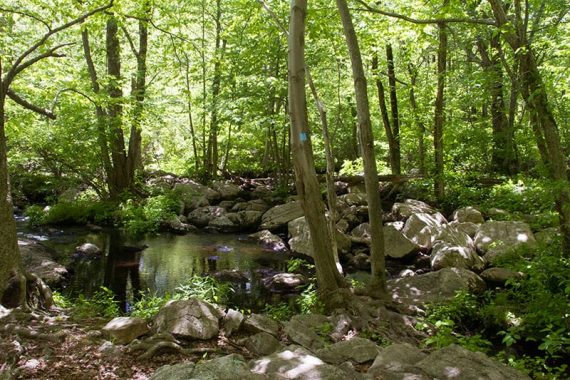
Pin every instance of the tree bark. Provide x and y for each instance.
(396, 169)
(439, 120)
(421, 126)
(328, 278)
(377, 260)
(384, 114)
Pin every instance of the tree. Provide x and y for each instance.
(377, 260)
(10, 263)
(328, 277)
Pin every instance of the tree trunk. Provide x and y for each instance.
(439, 121)
(421, 126)
(396, 169)
(384, 114)
(377, 260)
(328, 277)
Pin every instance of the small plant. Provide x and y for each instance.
(148, 216)
(205, 288)
(35, 215)
(309, 302)
(279, 312)
(296, 265)
(61, 301)
(101, 304)
(148, 305)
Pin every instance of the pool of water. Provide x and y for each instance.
(166, 262)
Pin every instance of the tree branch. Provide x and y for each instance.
(32, 107)
(14, 70)
(26, 14)
(368, 8)
(130, 40)
(50, 53)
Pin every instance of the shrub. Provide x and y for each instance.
(101, 304)
(148, 305)
(148, 216)
(205, 288)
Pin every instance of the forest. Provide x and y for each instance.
(285, 189)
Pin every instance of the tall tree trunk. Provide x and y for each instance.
(439, 120)
(328, 277)
(396, 169)
(420, 125)
(377, 260)
(384, 114)
(534, 93)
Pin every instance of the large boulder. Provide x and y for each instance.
(499, 276)
(456, 362)
(280, 215)
(468, 228)
(232, 321)
(300, 240)
(191, 319)
(253, 205)
(446, 255)
(126, 329)
(229, 367)
(247, 219)
(403, 210)
(422, 229)
(285, 282)
(434, 286)
(496, 238)
(398, 358)
(227, 190)
(358, 350)
(202, 216)
(396, 244)
(298, 363)
(194, 195)
(352, 199)
(256, 323)
(38, 259)
(468, 214)
(303, 331)
(262, 344)
(269, 241)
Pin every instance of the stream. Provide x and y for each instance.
(158, 264)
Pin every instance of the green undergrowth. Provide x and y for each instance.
(526, 324)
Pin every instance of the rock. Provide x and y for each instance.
(229, 367)
(88, 250)
(300, 240)
(499, 276)
(341, 324)
(422, 229)
(262, 344)
(468, 228)
(468, 214)
(452, 235)
(353, 199)
(456, 362)
(192, 319)
(434, 286)
(260, 323)
(446, 255)
(176, 225)
(223, 223)
(280, 215)
(227, 205)
(194, 195)
(202, 216)
(109, 350)
(37, 259)
(253, 205)
(269, 241)
(497, 214)
(302, 334)
(232, 321)
(231, 275)
(246, 220)
(547, 235)
(227, 190)
(498, 238)
(182, 371)
(358, 350)
(285, 282)
(360, 261)
(298, 363)
(402, 211)
(396, 244)
(125, 329)
(362, 231)
(399, 357)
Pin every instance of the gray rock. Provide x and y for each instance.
(422, 229)
(260, 323)
(468, 214)
(456, 362)
(38, 259)
(262, 344)
(193, 319)
(497, 214)
(298, 363)
(125, 329)
(285, 282)
(230, 367)
(109, 350)
(361, 231)
(222, 223)
(341, 325)
(547, 235)
(468, 228)
(202, 216)
(182, 371)
(397, 359)
(402, 211)
(269, 241)
(88, 249)
(231, 275)
(253, 205)
(434, 286)
(499, 276)
(446, 255)
(248, 219)
(396, 244)
(227, 190)
(232, 321)
(279, 216)
(498, 238)
(303, 334)
(300, 240)
(353, 199)
(358, 350)
(194, 195)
